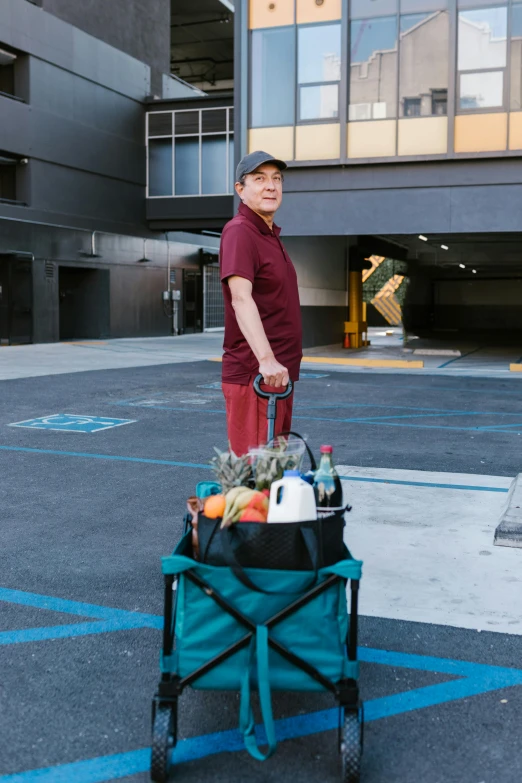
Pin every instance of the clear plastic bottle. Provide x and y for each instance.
(327, 485)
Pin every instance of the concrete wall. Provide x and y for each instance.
(320, 264)
(490, 304)
(81, 126)
(140, 28)
(442, 197)
(135, 286)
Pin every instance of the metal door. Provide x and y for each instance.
(213, 302)
(192, 301)
(16, 300)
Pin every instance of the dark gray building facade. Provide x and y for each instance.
(77, 258)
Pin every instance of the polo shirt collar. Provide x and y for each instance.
(257, 220)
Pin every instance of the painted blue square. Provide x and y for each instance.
(71, 422)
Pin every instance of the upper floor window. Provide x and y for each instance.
(8, 177)
(373, 67)
(318, 71)
(7, 72)
(424, 62)
(482, 59)
(190, 152)
(272, 77)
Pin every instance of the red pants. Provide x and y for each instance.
(246, 416)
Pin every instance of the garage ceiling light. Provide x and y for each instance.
(424, 239)
(444, 247)
(474, 271)
(462, 266)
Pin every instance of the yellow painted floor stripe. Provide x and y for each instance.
(515, 367)
(397, 363)
(417, 364)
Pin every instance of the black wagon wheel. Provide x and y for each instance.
(163, 741)
(351, 746)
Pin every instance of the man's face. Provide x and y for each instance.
(263, 189)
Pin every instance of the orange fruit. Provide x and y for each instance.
(214, 506)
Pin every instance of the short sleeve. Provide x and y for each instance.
(238, 254)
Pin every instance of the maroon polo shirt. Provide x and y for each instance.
(250, 249)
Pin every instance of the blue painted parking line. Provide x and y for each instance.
(72, 422)
(424, 484)
(383, 421)
(42, 634)
(458, 358)
(474, 680)
(89, 455)
(108, 619)
(172, 463)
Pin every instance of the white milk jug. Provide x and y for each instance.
(291, 499)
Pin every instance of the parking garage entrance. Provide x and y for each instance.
(84, 303)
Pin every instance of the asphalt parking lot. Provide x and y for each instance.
(87, 516)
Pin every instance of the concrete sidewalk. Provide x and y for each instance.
(451, 358)
(426, 539)
(28, 361)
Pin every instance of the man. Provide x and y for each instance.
(262, 313)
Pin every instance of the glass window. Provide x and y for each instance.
(319, 102)
(319, 54)
(160, 167)
(214, 121)
(272, 85)
(481, 90)
(187, 167)
(482, 57)
(319, 71)
(424, 57)
(160, 123)
(516, 58)
(482, 39)
(186, 122)
(373, 68)
(214, 165)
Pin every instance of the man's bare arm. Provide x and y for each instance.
(249, 320)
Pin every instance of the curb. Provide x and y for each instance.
(509, 529)
(402, 364)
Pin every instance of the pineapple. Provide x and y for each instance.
(231, 471)
(272, 461)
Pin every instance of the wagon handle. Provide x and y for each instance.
(272, 398)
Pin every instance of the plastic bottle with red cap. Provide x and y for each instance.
(327, 485)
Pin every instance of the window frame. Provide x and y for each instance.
(317, 120)
(14, 64)
(482, 109)
(349, 103)
(505, 70)
(293, 28)
(227, 133)
(299, 85)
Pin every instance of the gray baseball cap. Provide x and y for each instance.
(251, 162)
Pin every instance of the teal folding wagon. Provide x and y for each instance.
(294, 632)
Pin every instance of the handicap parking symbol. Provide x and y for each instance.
(71, 422)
